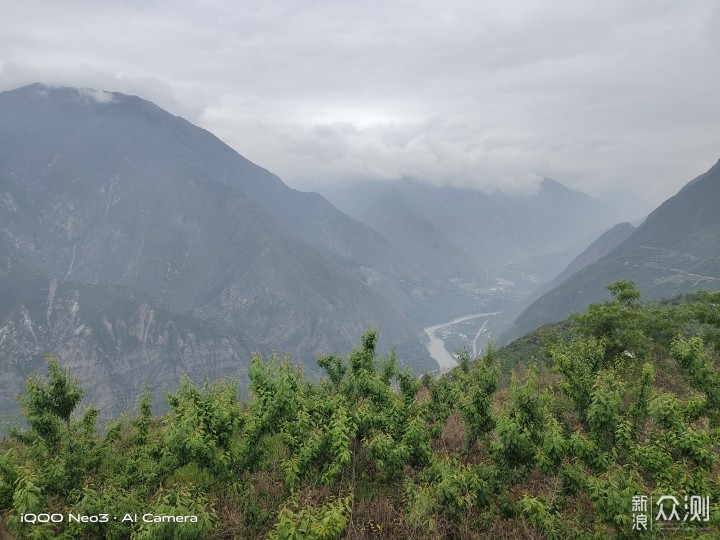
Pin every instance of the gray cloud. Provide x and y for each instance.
(599, 95)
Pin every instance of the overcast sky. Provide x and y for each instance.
(600, 95)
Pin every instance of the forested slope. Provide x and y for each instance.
(623, 403)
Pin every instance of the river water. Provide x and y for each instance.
(446, 359)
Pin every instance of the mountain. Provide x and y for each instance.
(604, 244)
(116, 339)
(108, 198)
(130, 237)
(629, 206)
(491, 229)
(600, 247)
(416, 239)
(675, 250)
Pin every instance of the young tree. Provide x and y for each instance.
(49, 402)
(620, 324)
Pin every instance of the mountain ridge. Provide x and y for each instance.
(674, 251)
(100, 190)
(491, 228)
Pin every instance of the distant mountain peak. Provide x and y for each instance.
(549, 182)
(674, 251)
(43, 87)
(69, 94)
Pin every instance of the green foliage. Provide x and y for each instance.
(421, 507)
(693, 358)
(50, 402)
(612, 494)
(445, 394)
(334, 367)
(388, 456)
(625, 293)
(460, 489)
(514, 446)
(542, 518)
(27, 498)
(604, 412)
(553, 448)
(9, 472)
(143, 421)
(641, 404)
(177, 501)
(666, 411)
(324, 522)
(527, 404)
(319, 442)
(521, 435)
(620, 324)
(200, 425)
(481, 383)
(449, 488)
(578, 362)
(371, 448)
(275, 388)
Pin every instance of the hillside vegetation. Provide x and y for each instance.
(622, 402)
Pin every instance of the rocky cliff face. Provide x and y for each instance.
(117, 191)
(112, 338)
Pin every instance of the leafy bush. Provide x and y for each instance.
(365, 449)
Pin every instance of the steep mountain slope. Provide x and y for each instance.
(600, 247)
(108, 190)
(604, 244)
(77, 132)
(115, 339)
(676, 250)
(416, 239)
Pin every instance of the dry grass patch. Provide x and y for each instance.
(453, 436)
(376, 518)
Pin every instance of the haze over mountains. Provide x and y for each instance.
(107, 189)
(675, 250)
(491, 229)
(137, 246)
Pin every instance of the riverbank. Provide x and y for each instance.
(436, 347)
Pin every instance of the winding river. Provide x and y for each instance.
(445, 359)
